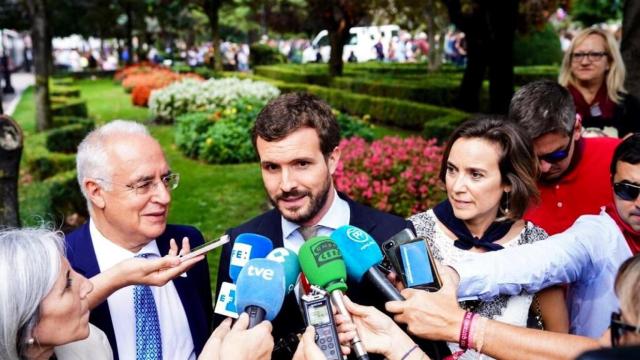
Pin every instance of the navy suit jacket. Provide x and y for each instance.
(194, 290)
(381, 226)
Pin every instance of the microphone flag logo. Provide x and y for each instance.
(325, 252)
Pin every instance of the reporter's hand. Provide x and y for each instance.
(211, 350)
(242, 343)
(431, 315)
(159, 271)
(307, 348)
(378, 332)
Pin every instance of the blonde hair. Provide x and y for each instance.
(627, 286)
(614, 76)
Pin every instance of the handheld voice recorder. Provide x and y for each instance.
(316, 310)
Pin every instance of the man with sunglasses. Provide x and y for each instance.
(573, 170)
(125, 178)
(587, 255)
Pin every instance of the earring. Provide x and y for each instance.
(506, 209)
(30, 341)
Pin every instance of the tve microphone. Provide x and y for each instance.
(260, 290)
(289, 261)
(362, 255)
(322, 264)
(246, 247)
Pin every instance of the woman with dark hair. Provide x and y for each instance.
(489, 171)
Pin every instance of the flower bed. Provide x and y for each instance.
(188, 96)
(391, 174)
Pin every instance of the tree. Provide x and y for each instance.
(590, 12)
(10, 153)
(630, 45)
(337, 17)
(41, 38)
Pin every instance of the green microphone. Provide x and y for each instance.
(322, 264)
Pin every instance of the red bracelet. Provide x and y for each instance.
(465, 330)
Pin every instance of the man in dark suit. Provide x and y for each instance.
(126, 180)
(296, 137)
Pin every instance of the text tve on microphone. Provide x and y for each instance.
(261, 284)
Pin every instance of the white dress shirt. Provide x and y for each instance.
(338, 215)
(174, 326)
(587, 255)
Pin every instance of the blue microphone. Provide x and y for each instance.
(247, 246)
(361, 255)
(260, 290)
(289, 261)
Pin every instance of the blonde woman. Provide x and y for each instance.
(593, 71)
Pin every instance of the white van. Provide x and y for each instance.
(361, 42)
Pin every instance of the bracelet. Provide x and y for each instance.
(409, 352)
(464, 330)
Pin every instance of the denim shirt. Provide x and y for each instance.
(587, 255)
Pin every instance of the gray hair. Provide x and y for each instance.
(30, 266)
(543, 107)
(92, 160)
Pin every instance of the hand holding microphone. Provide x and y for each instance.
(239, 342)
(322, 263)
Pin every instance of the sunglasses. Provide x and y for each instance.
(558, 155)
(626, 191)
(618, 328)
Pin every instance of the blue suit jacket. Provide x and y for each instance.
(381, 226)
(194, 290)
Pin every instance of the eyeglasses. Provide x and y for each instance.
(626, 191)
(559, 155)
(618, 328)
(144, 187)
(591, 55)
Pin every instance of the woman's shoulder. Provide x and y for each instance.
(95, 347)
(423, 222)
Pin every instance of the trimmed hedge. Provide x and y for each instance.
(261, 54)
(65, 197)
(69, 107)
(64, 91)
(43, 164)
(66, 139)
(401, 113)
(293, 74)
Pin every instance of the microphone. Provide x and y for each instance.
(247, 246)
(289, 261)
(362, 255)
(322, 264)
(260, 290)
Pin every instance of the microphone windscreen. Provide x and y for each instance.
(322, 264)
(261, 284)
(289, 261)
(359, 250)
(247, 246)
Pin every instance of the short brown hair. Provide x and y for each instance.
(290, 112)
(517, 163)
(627, 287)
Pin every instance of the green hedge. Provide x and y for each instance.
(69, 107)
(541, 47)
(293, 74)
(59, 121)
(260, 54)
(526, 74)
(401, 113)
(42, 164)
(65, 196)
(64, 91)
(66, 139)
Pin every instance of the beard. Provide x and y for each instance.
(307, 212)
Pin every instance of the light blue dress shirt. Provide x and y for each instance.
(588, 255)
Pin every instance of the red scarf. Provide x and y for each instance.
(632, 236)
(607, 106)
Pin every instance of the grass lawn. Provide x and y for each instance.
(212, 198)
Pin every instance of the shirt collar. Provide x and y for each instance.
(109, 254)
(338, 215)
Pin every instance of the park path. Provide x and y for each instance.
(19, 81)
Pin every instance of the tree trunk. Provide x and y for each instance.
(630, 46)
(337, 39)
(477, 39)
(212, 9)
(502, 17)
(129, 33)
(41, 58)
(10, 153)
(435, 51)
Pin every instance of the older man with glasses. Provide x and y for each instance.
(125, 178)
(573, 170)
